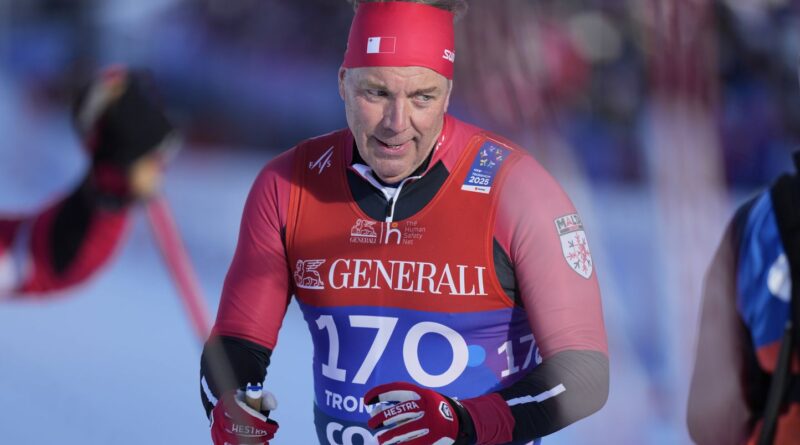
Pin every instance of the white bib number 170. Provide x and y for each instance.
(385, 326)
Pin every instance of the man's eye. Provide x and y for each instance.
(376, 93)
(425, 97)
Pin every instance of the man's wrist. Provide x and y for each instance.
(466, 426)
(491, 418)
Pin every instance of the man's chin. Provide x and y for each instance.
(390, 176)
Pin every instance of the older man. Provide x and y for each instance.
(444, 275)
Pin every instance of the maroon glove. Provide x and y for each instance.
(121, 123)
(417, 416)
(233, 422)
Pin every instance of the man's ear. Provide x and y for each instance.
(342, 72)
(447, 98)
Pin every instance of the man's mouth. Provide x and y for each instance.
(389, 146)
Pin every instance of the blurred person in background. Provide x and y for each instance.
(746, 382)
(443, 273)
(126, 133)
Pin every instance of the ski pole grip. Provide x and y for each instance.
(252, 396)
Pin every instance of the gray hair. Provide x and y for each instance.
(457, 7)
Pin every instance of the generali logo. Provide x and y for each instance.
(404, 276)
(378, 232)
(306, 275)
(364, 231)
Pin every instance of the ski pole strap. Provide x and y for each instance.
(777, 389)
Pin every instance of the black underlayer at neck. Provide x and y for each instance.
(357, 159)
(412, 198)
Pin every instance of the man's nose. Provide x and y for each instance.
(395, 116)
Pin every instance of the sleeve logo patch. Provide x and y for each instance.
(574, 245)
(484, 168)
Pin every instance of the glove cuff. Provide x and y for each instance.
(110, 186)
(493, 421)
(466, 427)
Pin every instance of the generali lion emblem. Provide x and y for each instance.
(306, 275)
(364, 229)
(574, 245)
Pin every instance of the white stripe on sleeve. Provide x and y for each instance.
(541, 397)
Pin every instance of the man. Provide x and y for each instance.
(745, 343)
(746, 382)
(126, 132)
(443, 274)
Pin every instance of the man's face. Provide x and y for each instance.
(395, 115)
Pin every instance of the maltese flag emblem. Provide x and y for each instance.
(381, 45)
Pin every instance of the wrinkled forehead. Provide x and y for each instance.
(396, 78)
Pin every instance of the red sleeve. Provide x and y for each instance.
(8, 228)
(28, 246)
(104, 233)
(257, 288)
(563, 307)
(562, 301)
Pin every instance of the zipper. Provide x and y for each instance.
(393, 201)
(391, 198)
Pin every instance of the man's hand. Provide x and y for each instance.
(417, 416)
(234, 422)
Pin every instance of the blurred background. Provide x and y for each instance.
(658, 117)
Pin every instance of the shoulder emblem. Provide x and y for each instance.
(574, 245)
(485, 167)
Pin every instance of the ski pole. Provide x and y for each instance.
(179, 265)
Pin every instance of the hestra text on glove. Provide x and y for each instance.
(414, 416)
(233, 422)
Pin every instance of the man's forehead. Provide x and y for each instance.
(415, 77)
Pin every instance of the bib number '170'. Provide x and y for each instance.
(385, 328)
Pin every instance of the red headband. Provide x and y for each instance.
(398, 33)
